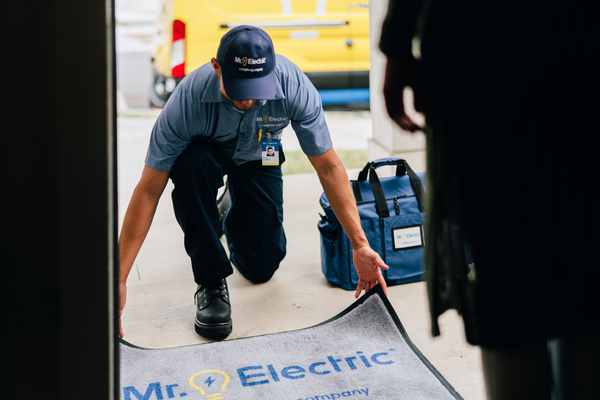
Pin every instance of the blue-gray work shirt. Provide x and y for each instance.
(197, 109)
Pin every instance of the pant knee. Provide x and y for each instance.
(261, 277)
(252, 272)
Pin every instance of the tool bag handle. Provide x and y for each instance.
(398, 162)
(402, 168)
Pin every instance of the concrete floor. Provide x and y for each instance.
(160, 308)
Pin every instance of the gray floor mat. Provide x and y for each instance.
(364, 352)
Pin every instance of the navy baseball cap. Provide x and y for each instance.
(247, 62)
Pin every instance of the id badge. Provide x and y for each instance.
(270, 151)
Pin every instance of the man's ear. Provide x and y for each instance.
(213, 61)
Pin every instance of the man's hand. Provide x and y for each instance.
(368, 265)
(122, 299)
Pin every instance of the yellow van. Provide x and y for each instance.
(327, 39)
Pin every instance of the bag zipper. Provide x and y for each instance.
(396, 206)
(395, 199)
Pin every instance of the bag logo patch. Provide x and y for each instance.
(407, 237)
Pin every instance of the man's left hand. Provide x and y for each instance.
(368, 265)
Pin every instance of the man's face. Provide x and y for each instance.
(270, 151)
(242, 105)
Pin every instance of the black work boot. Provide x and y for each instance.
(213, 312)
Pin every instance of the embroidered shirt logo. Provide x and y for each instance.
(266, 119)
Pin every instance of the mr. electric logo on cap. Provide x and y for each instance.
(250, 61)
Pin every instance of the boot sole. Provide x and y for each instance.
(213, 330)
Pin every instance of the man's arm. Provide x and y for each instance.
(136, 224)
(334, 180)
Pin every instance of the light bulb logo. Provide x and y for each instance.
(210, 384)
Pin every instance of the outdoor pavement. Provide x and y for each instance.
(160, 307)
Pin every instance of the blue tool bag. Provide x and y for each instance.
(392, 215)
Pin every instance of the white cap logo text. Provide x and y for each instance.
(250, 61)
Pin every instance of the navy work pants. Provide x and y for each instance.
(253, 224)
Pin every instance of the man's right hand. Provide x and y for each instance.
(122, 299)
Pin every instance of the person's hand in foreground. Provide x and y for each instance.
(398, 76)
(368, 265)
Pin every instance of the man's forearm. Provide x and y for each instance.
(136, 225)
(138, 218)
(336, 186)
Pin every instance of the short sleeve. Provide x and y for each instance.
(173, 130)
(306, 111)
